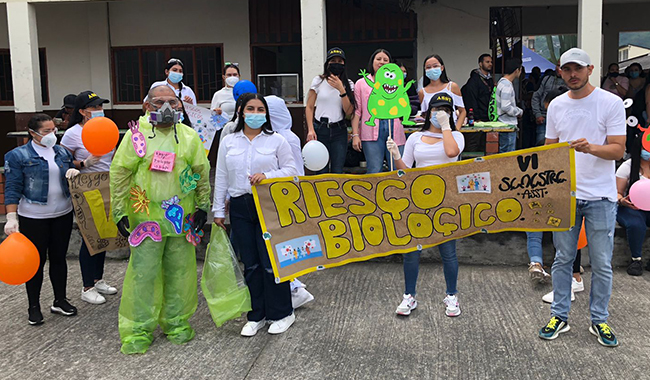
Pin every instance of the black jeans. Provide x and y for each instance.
(268, 299)
(335, 138)
(51, 237)
(92, 267)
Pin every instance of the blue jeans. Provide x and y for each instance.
(507, 141)
(635, 222)
(335, 138)
(541, 134)
(600, 220)
(449, 267)
(534, 245)
(375, 151)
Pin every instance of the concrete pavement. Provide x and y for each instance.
(350, 331)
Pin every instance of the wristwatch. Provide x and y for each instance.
(82, 164)
(343, 95)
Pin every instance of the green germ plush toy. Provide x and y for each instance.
(388, 99)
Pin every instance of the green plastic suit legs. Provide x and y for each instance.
(160, 287)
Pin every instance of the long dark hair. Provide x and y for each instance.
(343, 77)
(370, 68)
(635, 152)
(425, 78)
(76, 117)
(173, 62)
(427, 119)
(245, 98)
(237, 107)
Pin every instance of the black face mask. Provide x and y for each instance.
(337, 68)
(613, 75)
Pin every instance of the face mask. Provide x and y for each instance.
(434, 73)
(48, 140)
(613, 75)
(337, 68)
(645, 155)
(232, 81)
(175, 77)
(94, 114)
(255, 120)
(165, 115)
(434, 118)
(404, 75)
(634, 74)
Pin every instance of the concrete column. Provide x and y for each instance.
(590, 31)
(314, 40)
(25, 70)
(99, 50)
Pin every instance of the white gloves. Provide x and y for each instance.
(443, 120)
(71, 173)
(91, 160)
(393, 149)
(12, 223)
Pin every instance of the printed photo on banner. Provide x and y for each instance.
(205, 122)
(323, 221)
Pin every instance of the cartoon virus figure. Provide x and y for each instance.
(174, 213)
(388, 99)
(141, 201)
(192, 237)
(137, 139)
(645, 139)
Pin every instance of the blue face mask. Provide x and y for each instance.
(175, 77)
(404, 75)
(634, 74)
(94, 114)
(434, 73)
(434, 118)
(255, 120)
(645, 155)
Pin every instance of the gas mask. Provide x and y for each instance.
(164, 115)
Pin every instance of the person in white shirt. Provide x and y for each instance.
(329, 101)
(249, 155)
(434, 81)
(635, 221)
(437, 143)
(507, 105)
(223, 101)
(592, 120)
(88, 105)
(174, 80)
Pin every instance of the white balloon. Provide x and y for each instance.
(628, 102)
(632, 121)
(315, 155)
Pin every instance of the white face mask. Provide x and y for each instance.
(232, 81)
(48, 140)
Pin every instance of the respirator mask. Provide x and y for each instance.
(164, 114)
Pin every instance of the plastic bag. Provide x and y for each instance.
(222, 281)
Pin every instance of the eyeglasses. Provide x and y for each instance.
(232, 64)
(159, 102)
(174, 61)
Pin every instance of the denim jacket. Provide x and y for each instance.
(27, 174)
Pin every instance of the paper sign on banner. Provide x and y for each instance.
(205, 122)
(163, 161)
(322, 221)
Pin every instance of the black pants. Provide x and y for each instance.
(268, 299)
(92, 267)
(51, 237)
(576, 262)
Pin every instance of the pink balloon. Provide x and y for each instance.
(640, 194)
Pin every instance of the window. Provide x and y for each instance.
(6, 84)
(136, 68)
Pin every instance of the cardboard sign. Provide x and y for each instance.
(323, 221)
(205, 122)
(90, 194)
(163, 161)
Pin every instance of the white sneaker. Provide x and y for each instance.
(453, 307)
(537, 273)
(577, 286)
(251, 328)
(548, 297)
(92, 296)
(300, 296)
(104, 288)
(278, 327)
(408, 304)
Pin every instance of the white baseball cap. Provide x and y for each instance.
(575, 55)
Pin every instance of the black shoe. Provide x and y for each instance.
(63, 307)
(35, 316)
(635, 268)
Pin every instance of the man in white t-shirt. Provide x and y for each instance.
(593, 122)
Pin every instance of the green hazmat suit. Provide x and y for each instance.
(160, 286)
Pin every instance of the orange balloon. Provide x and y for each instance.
(582, 239)
(100, 135)
(19, 259)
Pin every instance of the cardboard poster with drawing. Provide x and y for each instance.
(91, 201)
(205, 122)
(322, 221)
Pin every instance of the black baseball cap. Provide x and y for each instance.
(88, 99)
(69, 101)
(335, 52)
(441, 99)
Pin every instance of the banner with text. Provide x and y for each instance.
(205, 122)
(90, 194)
(322, 221)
